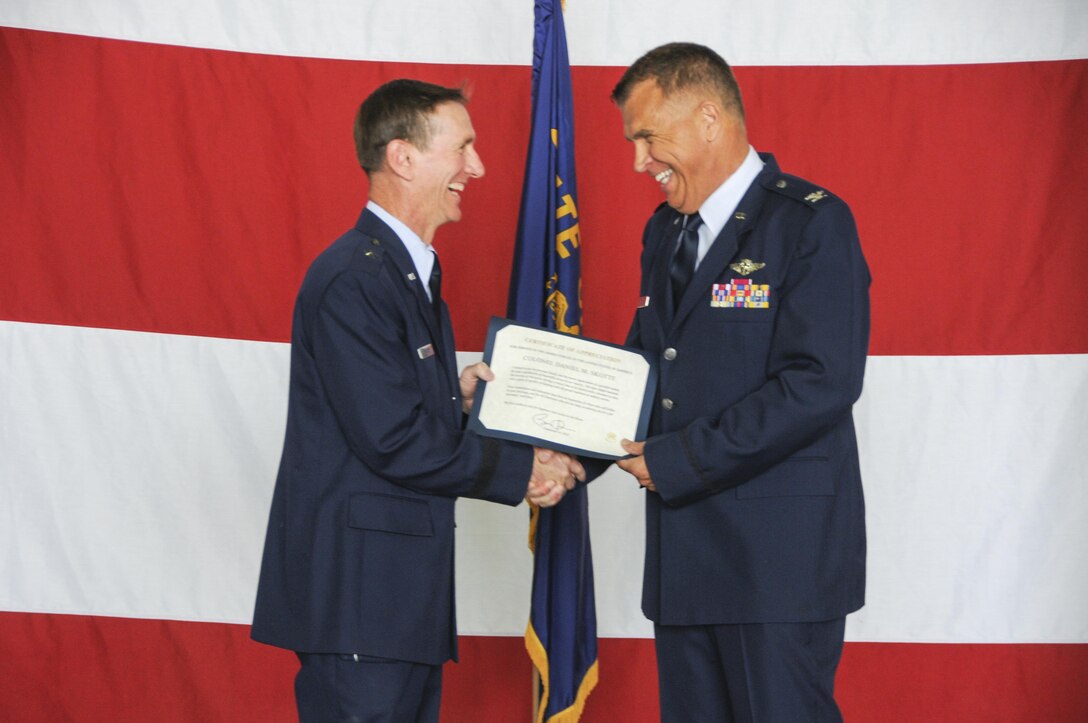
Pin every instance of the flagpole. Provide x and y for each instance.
(536, 695)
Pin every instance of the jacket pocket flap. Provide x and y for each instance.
(389, 513)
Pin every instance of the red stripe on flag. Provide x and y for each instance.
(183, 190)
(91, 669)
(963, 682)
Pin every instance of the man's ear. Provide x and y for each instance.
(710, 117)
(400, 158)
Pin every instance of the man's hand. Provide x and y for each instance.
(636, 465)
(470, 375)
(554, 473)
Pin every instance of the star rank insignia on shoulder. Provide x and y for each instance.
(746, 266)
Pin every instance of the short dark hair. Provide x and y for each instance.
(398, 110)
(682, 66)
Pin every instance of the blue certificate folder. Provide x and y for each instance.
(552, 409)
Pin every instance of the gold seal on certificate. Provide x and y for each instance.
(562, 392)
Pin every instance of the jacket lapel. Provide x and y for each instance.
(446, 349)
(659, 274)
(438, 325)
(370, 225)
(721, 251)
(725, 246)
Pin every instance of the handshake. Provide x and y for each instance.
(554, 474)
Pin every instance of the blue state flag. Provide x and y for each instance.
(545, 290)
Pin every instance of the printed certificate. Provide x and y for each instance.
(563, 392)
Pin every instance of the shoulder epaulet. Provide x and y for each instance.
(370, 254)
(799, 190)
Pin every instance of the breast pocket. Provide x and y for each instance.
(745, 316)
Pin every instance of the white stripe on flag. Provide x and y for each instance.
(976, 482)
(138, 468)
(747, 32)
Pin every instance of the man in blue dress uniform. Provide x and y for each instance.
(754, 300)
(357, 576)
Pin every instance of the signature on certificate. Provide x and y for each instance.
(550, 423)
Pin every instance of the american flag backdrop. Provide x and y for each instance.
(169, 169)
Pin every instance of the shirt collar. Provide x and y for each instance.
(423, 256)
(721, 204)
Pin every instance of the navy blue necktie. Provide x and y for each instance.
(682, 267)
(435, 283)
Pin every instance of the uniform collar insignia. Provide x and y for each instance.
(746, 266)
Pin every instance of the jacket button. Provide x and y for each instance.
(669, 354)
(666, 403)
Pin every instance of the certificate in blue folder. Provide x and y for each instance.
(563, 392)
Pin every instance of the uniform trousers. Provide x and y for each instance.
(361, 689)
(751, 673)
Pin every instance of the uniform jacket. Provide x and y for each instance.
(759, 515)
(359, 552)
